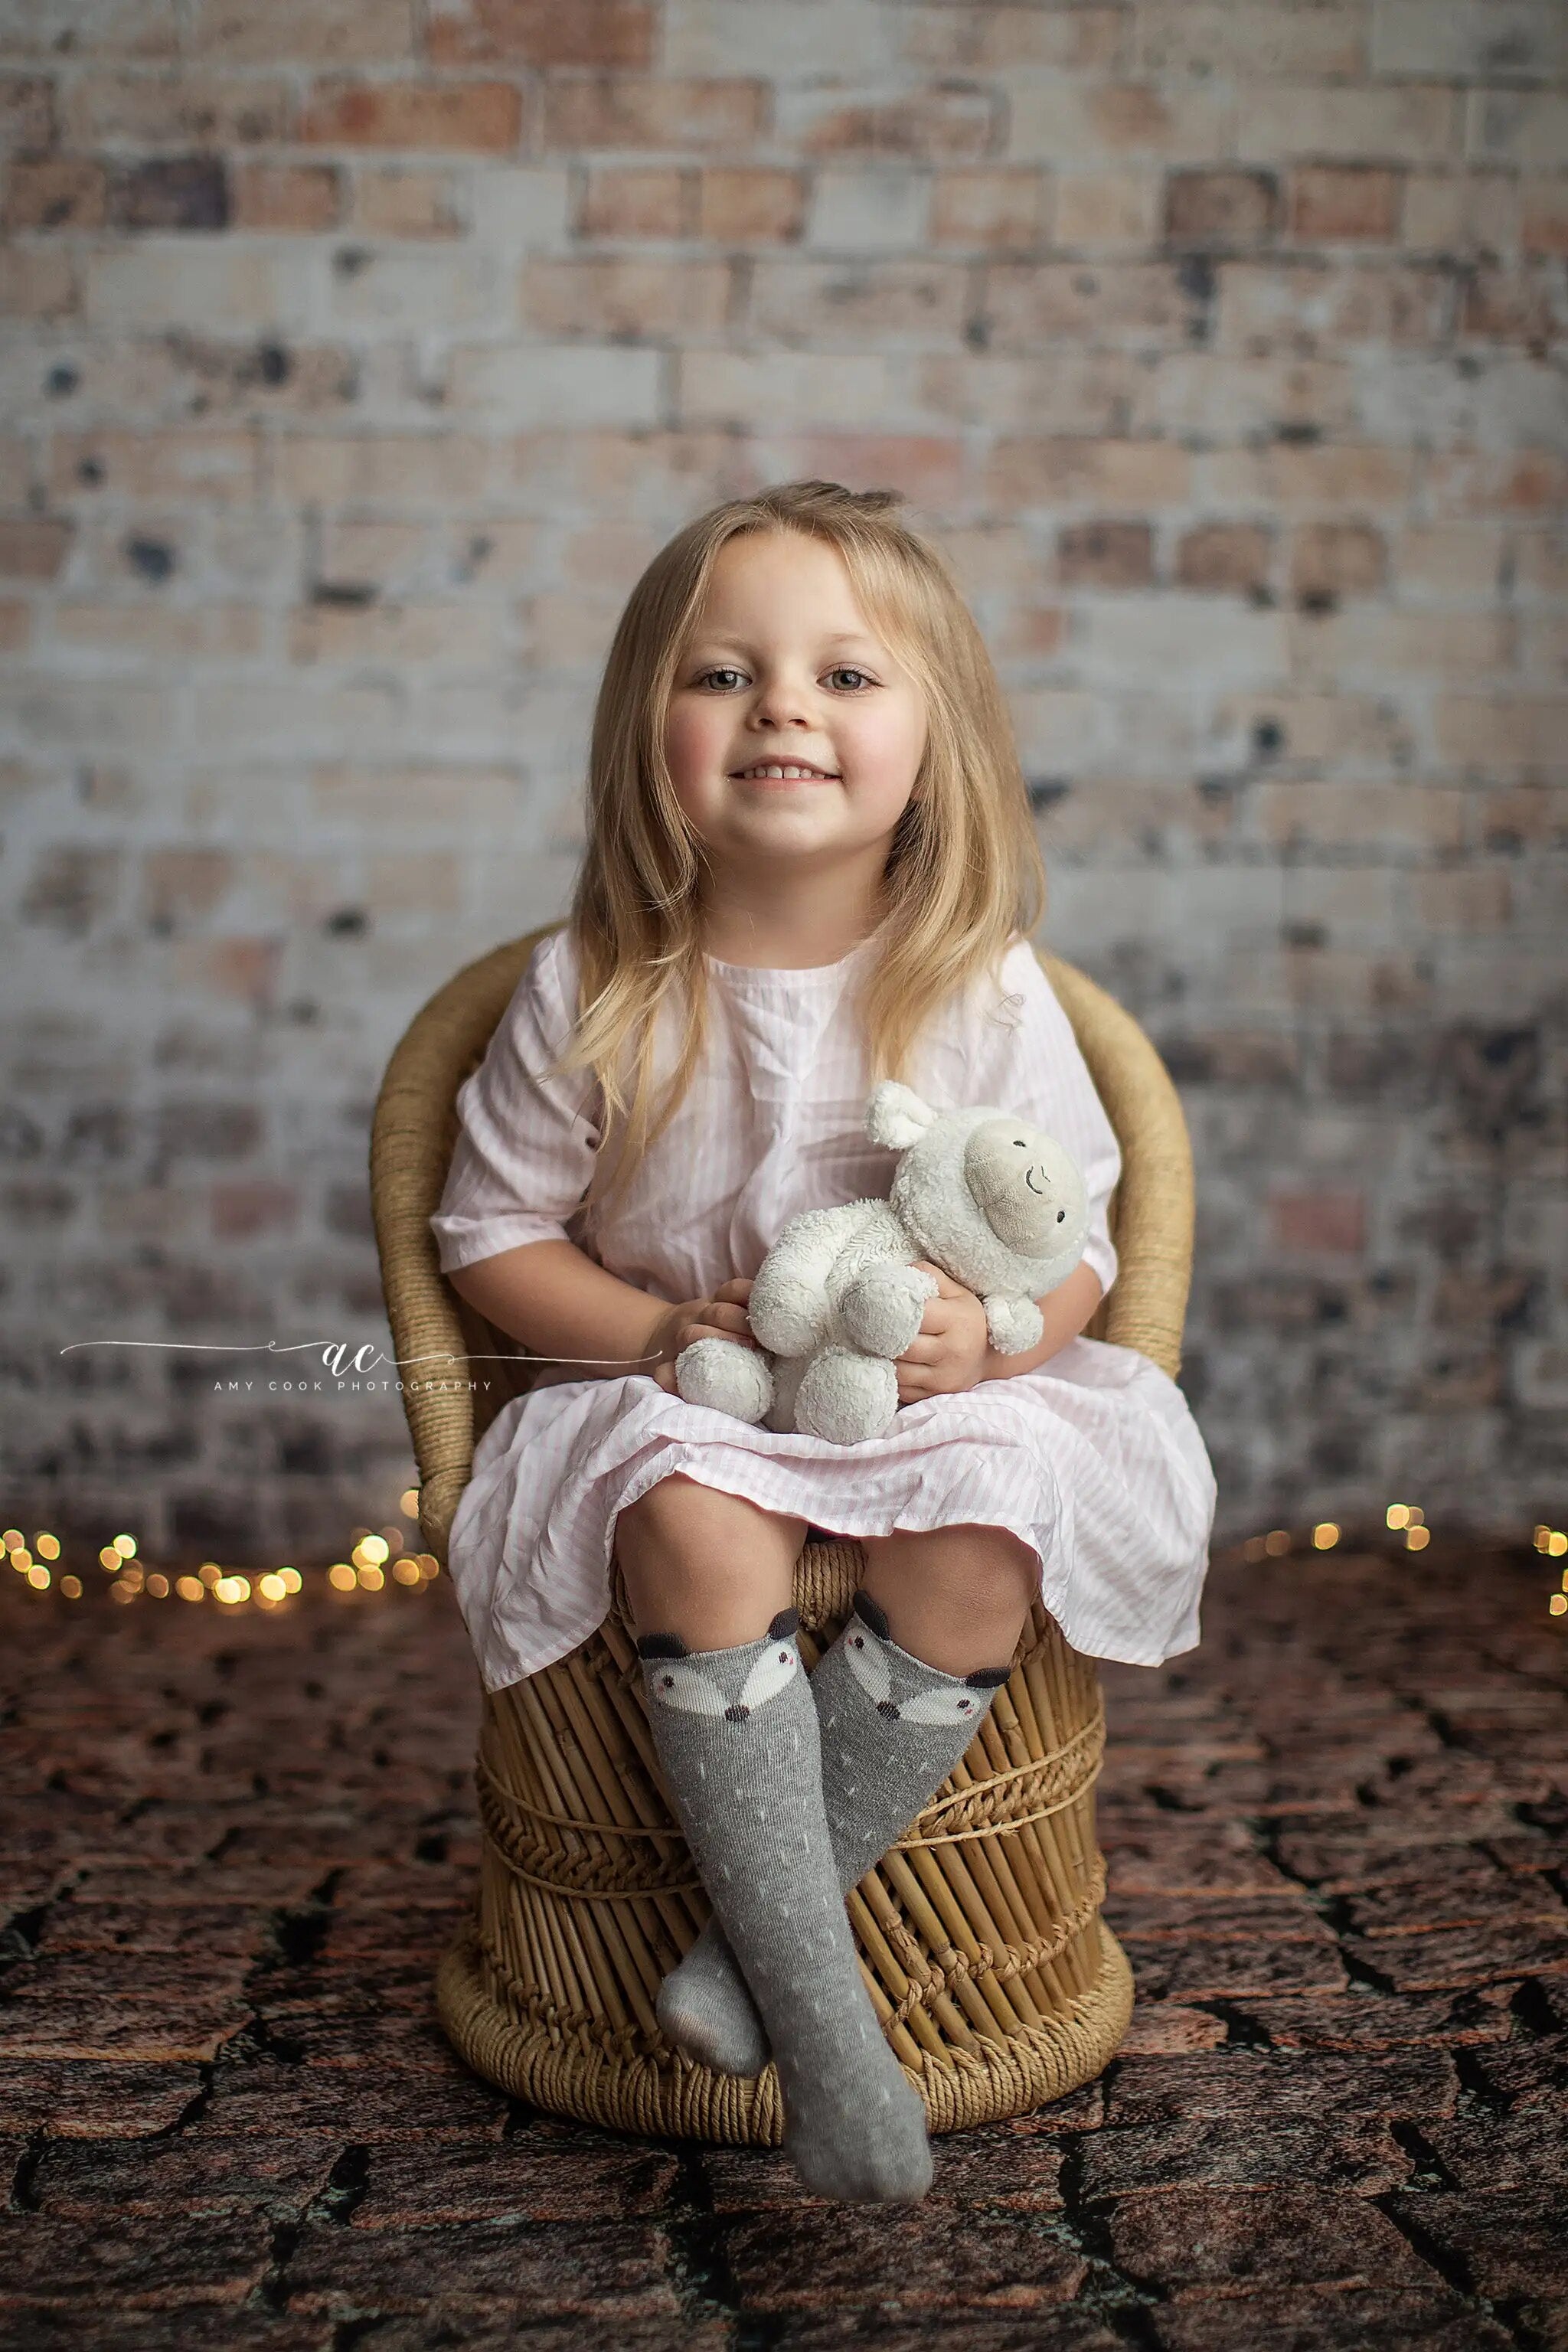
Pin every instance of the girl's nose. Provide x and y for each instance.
(781, 704)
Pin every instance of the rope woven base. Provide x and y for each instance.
(979, 1934)
(663, 2096)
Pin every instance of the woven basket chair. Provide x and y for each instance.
(997, 1980)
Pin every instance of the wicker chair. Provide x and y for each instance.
(998, 1984)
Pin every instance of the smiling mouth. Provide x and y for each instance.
(783, 771)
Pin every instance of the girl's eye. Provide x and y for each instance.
(845, 671)
(709, 674)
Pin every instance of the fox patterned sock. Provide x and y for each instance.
(891, 1729)
(736, 1734)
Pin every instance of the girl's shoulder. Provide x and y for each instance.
(1004, 996)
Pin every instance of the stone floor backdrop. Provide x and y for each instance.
(233, 1843)
(362, 352)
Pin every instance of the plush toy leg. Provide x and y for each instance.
(845, 1396)
(881, 1310)
(724, 1375)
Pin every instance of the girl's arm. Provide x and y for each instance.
(554, 1298)
(1064, 1312)
(551, 1296)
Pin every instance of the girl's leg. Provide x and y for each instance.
(735, 1730)
(712, 1567)
(954, 1597)
(898, 1697)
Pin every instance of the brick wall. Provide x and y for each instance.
(362, 352)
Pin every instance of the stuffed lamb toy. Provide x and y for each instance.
(994, 1201)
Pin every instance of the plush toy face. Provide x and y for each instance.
(1024, 1184)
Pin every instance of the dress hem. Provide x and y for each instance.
(1075, 1623)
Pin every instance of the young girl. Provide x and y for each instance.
(810, 863)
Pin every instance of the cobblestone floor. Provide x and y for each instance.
(232, 1847)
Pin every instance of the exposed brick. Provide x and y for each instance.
(1224, 208)
(27, 110)
(287, 197)
(1107, 208)
(998, 209)
(625, 298)
(177, 109)
(1340, 204)
(55, 192)
(758, 207)
(485, 116)
(175, 192)
(1331, 559)
(320, 32)
(1233, 558)
(1334, 1222)
(599, 33)
(631, 201)
(1106, 556)
(687, 115)
(33, 547)
(932, 122)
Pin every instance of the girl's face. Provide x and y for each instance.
(784, 670)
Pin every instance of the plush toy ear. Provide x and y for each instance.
(896, 1117)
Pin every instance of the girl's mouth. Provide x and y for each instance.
(783, 771)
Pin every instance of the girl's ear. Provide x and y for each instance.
(896, 1117)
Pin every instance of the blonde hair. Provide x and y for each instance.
(963, 875)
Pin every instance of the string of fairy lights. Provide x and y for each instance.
(380, 1562)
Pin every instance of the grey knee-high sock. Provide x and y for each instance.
(891, 1729)
(736, 1733)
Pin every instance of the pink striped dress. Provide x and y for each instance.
(1094, 1460)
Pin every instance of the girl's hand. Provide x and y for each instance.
(953, 1347)
(723, 1316)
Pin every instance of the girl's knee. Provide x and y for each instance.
(963, 1559)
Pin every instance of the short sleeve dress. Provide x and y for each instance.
(1094, 1460)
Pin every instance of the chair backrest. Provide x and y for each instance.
(445, 1350)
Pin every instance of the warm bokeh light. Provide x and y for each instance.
(190, 1588)
(1325, 1536)
(407, 1572)
(1418, 1539)
(371, 1577)
(21, 1559)
(158, 1585)
(1397, 1514)
(38, 1577)
(1277, 1542)
(292, 1580)
(408, 1502)
(125, 1545)
(1557, 1604)
(71, 1587)
(210, 1573)
(47, 1546)
(232, 1589)
(271, 1587)
(340, 1577)
(370, 1551)
(12, 1536)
